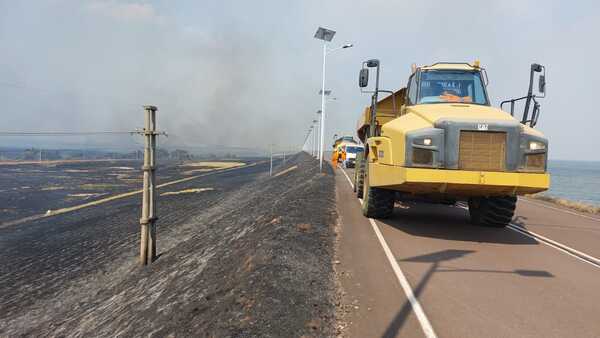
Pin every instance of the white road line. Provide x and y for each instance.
(559, 209)
(414, 302)
(556, 245)
(551, 243)
(347, 177)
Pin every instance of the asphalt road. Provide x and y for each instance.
(427, 271)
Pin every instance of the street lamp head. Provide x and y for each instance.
(373, 63)
(324, 34)
(348, 45)
(327, 92)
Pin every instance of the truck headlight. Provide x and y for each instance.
(535, 145)
(423, 141)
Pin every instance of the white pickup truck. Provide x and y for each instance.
(350, 150)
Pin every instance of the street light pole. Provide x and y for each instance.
(322, 124)
(326, 35)
(318, 123)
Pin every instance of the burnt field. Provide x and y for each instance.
(36, 188)
(240, 254)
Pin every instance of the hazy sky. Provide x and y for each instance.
(246, 73)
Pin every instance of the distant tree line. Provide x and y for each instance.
(39, 154)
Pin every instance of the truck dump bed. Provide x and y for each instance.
(388, 109)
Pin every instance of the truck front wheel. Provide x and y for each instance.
(377, 202)
(492, 211)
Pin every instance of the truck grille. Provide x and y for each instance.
(484, 151)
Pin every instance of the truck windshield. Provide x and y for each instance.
(354, 150)
(451, 86)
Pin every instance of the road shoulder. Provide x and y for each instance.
(371, 293)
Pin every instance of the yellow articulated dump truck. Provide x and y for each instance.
(440, 139)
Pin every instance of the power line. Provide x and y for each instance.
(64, 133)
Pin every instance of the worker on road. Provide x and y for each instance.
(334, 158)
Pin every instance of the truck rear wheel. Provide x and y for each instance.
(377, 202)
(492, 211)
(359, 178)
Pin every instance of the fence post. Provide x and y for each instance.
(271, 167)
(148, 219)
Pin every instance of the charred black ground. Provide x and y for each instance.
(253, 257)
(33, 188)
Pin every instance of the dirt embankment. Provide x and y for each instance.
(261, 267)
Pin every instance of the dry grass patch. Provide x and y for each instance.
(52, 188)
(579, 206)
(96, 186)
(84, 195)
(186, 191)
(216, 165)
(286, 171)
(209, 166)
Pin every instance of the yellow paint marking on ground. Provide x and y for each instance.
(286, 171)
(186, 191)
(111, 198)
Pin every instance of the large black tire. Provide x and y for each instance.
(377, 202)
(359, 178)
(494, 212)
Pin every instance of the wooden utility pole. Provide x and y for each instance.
(148, 220)
(271, 166)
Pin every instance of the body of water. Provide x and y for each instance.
(575, 180)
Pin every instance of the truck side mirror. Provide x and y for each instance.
(542, 84)
(363, 78)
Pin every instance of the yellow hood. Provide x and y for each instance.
(434, 112)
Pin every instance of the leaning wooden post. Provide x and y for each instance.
(271, 166)
(148, 220)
